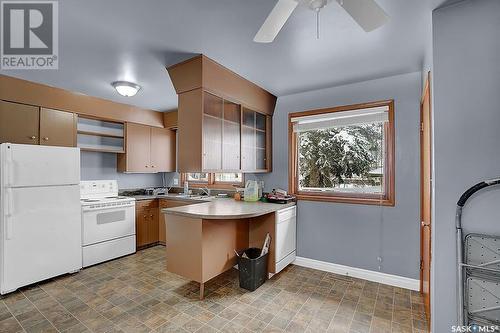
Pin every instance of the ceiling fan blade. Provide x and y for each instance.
(367, 13)
(275, 21)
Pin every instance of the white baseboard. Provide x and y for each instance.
(389, 279)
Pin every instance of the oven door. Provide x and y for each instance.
(106, 223)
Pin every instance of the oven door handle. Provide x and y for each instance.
(89, 209)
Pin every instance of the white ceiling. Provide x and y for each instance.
(104, 41)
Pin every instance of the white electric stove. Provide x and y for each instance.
(108, 222)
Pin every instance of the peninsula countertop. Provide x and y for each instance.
(193, 199)
(220, 209)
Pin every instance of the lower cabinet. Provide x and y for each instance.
(150, 221)
(146, 223)
(165, 203)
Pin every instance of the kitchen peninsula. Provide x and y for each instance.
(201, 238)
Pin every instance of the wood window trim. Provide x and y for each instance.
(359, 198)
(212, 183)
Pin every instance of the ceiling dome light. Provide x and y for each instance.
(127, 89)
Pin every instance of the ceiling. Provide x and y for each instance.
(105, 41)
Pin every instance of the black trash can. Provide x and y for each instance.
(253, 270)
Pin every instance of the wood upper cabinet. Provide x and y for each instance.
(27, 124)
(212, 132)
(255, 141)
(162, 150)
(231, 145)
(233, 138)
(57, 128)
(138, 142)
(19, 123)
(148, 150)
(170, 119)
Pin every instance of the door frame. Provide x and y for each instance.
(425, 93)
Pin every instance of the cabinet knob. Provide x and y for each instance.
(151, 215)
(33, 137)
(146, 166)
(152, 166)
(46, 139)
(145, 216)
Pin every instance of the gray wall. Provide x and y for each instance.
(355, 235)
(102, 166)
(466, 135)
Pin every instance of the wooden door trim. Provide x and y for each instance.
(425, 94)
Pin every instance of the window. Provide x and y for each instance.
(228, 178)
(217, 180)
(197, 177)
(343, 154)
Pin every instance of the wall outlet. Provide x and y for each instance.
(176, 181)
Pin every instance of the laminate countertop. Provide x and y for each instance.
(220, 209)
(196, 199)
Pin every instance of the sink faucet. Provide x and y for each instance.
(205, 190)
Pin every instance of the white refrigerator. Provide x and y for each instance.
(40, 214)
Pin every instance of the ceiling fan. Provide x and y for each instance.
(367, 13)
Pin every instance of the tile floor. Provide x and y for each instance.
(136, 294)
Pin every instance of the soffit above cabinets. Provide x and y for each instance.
(203, 72)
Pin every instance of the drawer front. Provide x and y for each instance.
(286, 232)
(165, 203)
(146, 204)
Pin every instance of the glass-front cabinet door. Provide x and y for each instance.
(253, 141)
(212, 132)
(234, 137)
(260, 141)
(231, 137)
(248, 140)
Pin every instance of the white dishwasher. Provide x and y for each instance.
(286, 237)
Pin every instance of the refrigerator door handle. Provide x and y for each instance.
(8, 166)
(8, 228)
(8, 219)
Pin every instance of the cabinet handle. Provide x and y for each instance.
(46, 139)
(33, 137)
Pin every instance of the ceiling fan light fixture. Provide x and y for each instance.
(366, 13)
(125, 88)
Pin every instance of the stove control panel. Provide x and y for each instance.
(98, 189)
